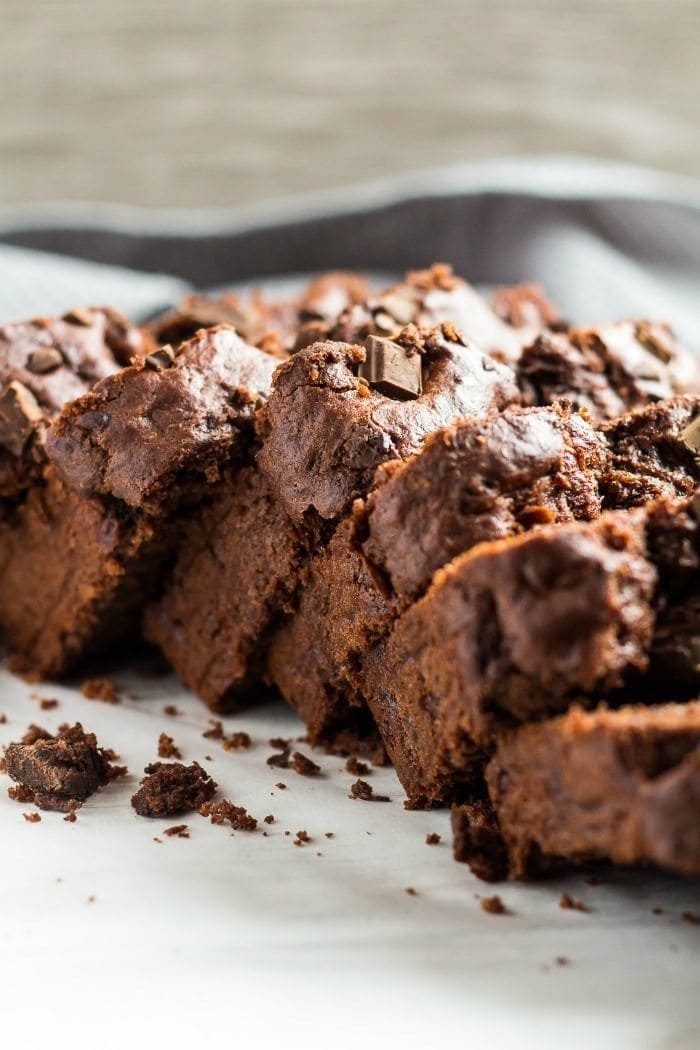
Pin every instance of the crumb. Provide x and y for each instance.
(167, 747)
(279, 761)
(171, 710)
(364, 791)
(172, 788)
(48, 704)
(92, 898)
(269, 819)
(302, 838)
(156, 839)
(657, 911)
(21, 793)
(100, 689)
(282, 787)
(494, 905)
(411, 891)
(568, 903)
(304, 766)
(356, 767)
(691, 917)
(236, 742)
(216, 731)
(60, 772)
(287, 832)
(318, 853)
(3, 720)
(35, 733)
(32, 818)
(329, 834)
(432, 839)
(591, 880)
(280, 744)
(180, 831)
(226, 812)
(562, 960)
(71, 817)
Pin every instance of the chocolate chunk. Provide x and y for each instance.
(170, 788)
(364, 791)
(60, 771)
(391, 369)
(79, 315)
(19, 414)
(400, 308)
(691, 436)
(161, 359)
(45, 359)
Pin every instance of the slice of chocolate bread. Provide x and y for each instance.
(522, 628)
(124, 462)
(602, 785)
(480, 479)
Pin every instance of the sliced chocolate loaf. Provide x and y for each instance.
(123, 463)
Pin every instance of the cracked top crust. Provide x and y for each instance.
(162, 419)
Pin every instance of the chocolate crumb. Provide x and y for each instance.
(562, 960)
(171, 710)
(32, 818)
(279, 761)
(100, 689)
(302, 838)
(35, 733)
(432, 839)
(356, 767)
(21, 793)
(282, 787)
(494, 905)
(47, 703)
(180, 831)
(167, 747)
(172, 788)
(329, 834)
(226, 812)
(304, 766)
(411, 891)
(591, 880)
(3, 720)
(269, 819)
(364, 791)
(657, 911)
(216, 731)
(280, 744)
(60, 771)
(71, 817)
(236, 742)
(568, 903)
(691, 917)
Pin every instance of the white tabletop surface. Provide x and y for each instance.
(228, 937)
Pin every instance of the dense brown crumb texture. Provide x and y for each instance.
(170, 788)
(57, 772)
(452, 530)
(100, 689)
(225, 812)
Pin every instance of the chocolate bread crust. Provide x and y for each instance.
(325, 430)
(138, 433)
(608, 370)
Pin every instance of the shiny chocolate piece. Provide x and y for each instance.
(161, 359)
(392, 369)
(19, 415)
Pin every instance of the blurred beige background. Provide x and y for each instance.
(224, 101)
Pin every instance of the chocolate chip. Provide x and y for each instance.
(391, 369)
(691, 436)
(19, 414)
(46, 359)
(160, 360)
(79, 315)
